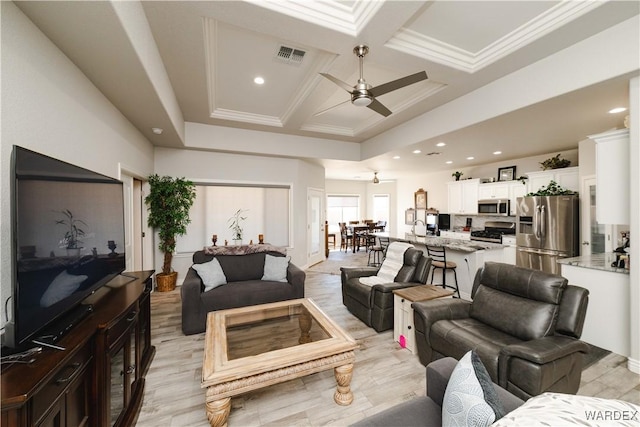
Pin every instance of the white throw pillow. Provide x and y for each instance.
(470, 399)
(61, 287)
(211, 274)
(275, 268)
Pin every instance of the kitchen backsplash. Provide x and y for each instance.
(458, 222)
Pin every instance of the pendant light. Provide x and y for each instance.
(375, 178)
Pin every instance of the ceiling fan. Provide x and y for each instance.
(364, 95)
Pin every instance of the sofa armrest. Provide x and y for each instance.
(426, 313)
(438, 374)
(296, 277)
(392, 286)
(541, 351)
(190, 292)
(347, 273)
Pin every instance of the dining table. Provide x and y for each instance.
(355, 229)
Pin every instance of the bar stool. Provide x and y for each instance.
(379, 252)
(438, 256)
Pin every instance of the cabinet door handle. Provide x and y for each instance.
(409, 327)
(74, 367)
(402, 300)
(131, 369)
(132, 316)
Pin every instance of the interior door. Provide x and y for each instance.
(315, 226)
(595, 238)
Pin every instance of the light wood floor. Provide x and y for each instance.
(384, 373)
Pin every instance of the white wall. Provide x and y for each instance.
(50, 107)
(206, 166)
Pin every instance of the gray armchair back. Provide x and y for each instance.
(524, 325)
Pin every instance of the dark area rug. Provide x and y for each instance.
(595, 354)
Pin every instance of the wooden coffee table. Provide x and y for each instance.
(252, 347)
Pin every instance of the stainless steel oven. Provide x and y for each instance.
(493, 207)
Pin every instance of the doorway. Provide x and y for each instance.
(315, 226)
(596, 238)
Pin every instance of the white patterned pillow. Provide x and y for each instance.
(470, 399)
(211, 274)
(559, 409)
(275, 268)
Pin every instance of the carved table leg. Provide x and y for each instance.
(218, 411)
(343, 395)
(304, 319)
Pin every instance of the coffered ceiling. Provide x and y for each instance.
(171, 62)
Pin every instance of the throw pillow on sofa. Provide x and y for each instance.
(275, 268)
(211, 274)
(470, 399)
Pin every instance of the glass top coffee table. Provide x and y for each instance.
(252, 347)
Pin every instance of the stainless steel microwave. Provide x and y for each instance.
(493, 207)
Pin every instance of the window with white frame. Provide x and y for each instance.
(342, 208)
(381, 207)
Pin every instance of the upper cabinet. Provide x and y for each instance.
(612, 177)
(516, 189)
(494, 190)
(463, 196)
(565, 177)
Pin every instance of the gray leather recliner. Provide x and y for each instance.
(374, 304)
(524, 324)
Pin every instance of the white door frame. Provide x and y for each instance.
(315, 226)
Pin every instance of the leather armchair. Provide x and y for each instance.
(524, 324)
(374, 304)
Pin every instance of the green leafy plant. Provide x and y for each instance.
(555, 162)
(523, 179)
(169, 201)
(72, 236)
(235, 224)
(457, 174)
(553, 189)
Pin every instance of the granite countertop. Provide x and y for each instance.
(453, 244)
(595, 261)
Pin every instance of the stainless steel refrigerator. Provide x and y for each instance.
(547, 229)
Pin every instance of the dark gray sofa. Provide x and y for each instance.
(524, 324)
(427, 410)
(243, 287)
(374, 304)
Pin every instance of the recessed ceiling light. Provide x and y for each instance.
(417, 151)
(470, 158)
(617, 110)
(157, 131)
(440, 144)
(258, 80)
(448, 162)
(396, 157)
(497, 152)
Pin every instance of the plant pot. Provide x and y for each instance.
(166, 282)
(237, 242)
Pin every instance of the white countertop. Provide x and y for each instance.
(595, 261)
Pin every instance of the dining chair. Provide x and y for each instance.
(345, 236)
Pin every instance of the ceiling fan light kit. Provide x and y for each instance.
(363, 94)
(375, 178)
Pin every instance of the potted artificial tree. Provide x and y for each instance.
(169, 201)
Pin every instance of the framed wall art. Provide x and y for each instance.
(507, 174)
(409, 216)
(420, 197)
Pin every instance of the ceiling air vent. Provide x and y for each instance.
(433, 153)
(290, 55)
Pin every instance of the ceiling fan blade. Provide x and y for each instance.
(379, 108)
(339, 82)
(397, 84)
(326, 110)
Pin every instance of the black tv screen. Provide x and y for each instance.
(68, 236)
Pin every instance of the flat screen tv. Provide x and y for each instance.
(68, 240)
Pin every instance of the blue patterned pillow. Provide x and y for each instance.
(470, 399)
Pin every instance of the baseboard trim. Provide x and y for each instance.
(633, 365)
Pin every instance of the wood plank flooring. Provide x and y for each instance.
(384, 374)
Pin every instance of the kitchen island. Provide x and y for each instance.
(607, 323)
(469, 255)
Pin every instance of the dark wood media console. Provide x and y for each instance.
(98, 380)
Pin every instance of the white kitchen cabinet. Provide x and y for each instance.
(566, 177)
(509, 251)
(612, 177)
(494, 190)
(516, 189)
(463, 196)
